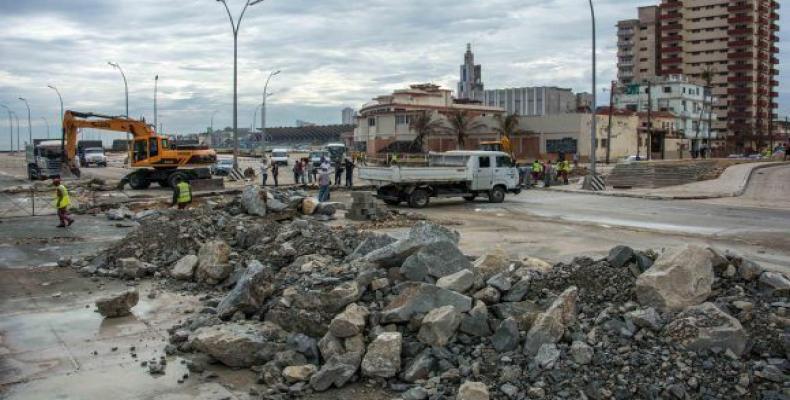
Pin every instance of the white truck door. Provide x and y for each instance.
(505, 172)
(483, 173)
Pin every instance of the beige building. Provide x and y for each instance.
(387, 120)
(733, 41)
(638, 46)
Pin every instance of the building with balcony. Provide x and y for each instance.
(638, 45)
(386, 122)
(689, 104)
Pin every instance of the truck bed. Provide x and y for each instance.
(389, 175)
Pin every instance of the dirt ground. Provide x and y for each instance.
(54, 345)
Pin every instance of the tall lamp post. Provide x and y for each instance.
(47, 123)
(211, 128)
(156, 89)
(255, 117)
(10, 126)
(126, 90)
(263, 104)
(62, 128)
(29, 125)
(235, 26)
(593, 144)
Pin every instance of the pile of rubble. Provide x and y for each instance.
(311, 307)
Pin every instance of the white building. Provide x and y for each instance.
(533, 101)
(470, 87)
(687, 101)
(348, 116)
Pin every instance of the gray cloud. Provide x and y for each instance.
(332, 53)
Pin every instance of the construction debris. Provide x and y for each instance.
(311, 307)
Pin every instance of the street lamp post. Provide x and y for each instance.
(263, 104)
(156, 88)
(255, 117)
(10, 126)
(18, 139)
(211, 128)
(235, 26)
(29, 125)
(62, 129)
(47, 123)
(593, 144)
(126, 91)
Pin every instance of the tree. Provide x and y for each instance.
(508, 126)
(423, 126)
(461, 124)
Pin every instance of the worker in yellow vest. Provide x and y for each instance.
(537, 171)
(62, 203)
(565, 170)
(182, 194)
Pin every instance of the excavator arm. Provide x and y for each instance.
(73, 121)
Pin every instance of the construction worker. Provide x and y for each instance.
(182, 194)
(548, 171)
(537, 170)
(62, 202)
(565, 169)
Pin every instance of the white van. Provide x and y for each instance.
(279, 156)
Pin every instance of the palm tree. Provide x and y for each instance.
(462, 123)
(423, 126)
(508, 126)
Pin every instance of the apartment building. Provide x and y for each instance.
(688, 102)
(638, 46)
(530, 101)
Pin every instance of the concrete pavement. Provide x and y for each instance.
(732, 182)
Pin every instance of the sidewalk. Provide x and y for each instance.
(731, 183)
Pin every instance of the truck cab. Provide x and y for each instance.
(44, 159)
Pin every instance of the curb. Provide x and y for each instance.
(736, 193)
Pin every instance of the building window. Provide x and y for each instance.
(667, 89)
(603, 143)
(402, 120)
(371, 121)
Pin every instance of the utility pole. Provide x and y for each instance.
(10, 127)
(62, 128)
(156, 87)
(649, 120)
(263, 104)
(609, 130)
(18, 139)
(126, 89)
(46, 122)
(593, 144)
(29, 125)
(235, 26)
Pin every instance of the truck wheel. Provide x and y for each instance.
(176, 177)
(471, 197)
(496, 195)
(418, 199)
(139, 181)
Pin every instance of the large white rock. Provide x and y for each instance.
(491, 264)
(459, 282)
(473, 391)
(254, 201)
(185, 268)
(382, 359)
(549, 326)
(239, 345)
(118, 305)
(706, 326)
(213, 266)
(350, 322)
(439, 326)
(679, 278)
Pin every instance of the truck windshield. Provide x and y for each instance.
(49, 152)
(279, 155)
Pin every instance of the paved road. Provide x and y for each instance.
(559, 226)
(769, 188)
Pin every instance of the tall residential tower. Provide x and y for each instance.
(471, 85)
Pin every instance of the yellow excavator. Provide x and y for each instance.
(153, 157)
(502, 145)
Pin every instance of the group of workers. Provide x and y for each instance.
(547, 171)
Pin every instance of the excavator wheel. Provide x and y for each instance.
(176, 177)
(139, 181)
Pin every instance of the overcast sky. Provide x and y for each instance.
(332, 53)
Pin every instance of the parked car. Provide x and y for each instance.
(95, 156)
(222, 167)
(631, 159)
(279, 156)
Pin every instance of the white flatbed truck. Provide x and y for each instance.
(466, 174)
